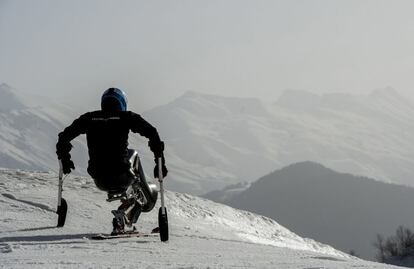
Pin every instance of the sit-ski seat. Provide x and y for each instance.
(143, 191)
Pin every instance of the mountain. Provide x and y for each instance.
(29, 126)
(203, 234)
(339, 209)
(214, 141)
(217, 141)
(226, 194)
(367, 135)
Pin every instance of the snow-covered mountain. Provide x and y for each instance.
(29, 126)
(214, 141)
(203, 234)
(223, 141)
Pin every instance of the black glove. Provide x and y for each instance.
(157, 169)
(67, 166)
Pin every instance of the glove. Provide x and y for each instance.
(164, 171)
(157, 169)
(67, 166)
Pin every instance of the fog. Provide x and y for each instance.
(157, 50)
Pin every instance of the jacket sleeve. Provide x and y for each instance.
(63, 145)
(142, 127)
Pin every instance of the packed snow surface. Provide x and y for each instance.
(203, 234)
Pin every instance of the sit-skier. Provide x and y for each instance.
(115, 168)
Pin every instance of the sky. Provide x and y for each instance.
(157, 50)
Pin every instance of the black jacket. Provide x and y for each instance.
(107, 138)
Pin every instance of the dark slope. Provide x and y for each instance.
(342, 210)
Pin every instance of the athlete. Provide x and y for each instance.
(115, 168)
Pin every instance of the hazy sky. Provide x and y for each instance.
(156, 50)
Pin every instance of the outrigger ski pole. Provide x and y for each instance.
(162, 213)
(62, 207)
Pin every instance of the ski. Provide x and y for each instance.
(123, 235)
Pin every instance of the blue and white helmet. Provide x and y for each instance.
(114, 99)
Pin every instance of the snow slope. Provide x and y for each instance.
(203, 234)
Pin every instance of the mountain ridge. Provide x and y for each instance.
(213, 141)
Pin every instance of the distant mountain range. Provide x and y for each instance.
(214, 141)
(223, 141)
(339, 209)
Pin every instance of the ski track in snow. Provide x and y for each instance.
(203, 234)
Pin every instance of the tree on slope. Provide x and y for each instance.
(397, 249)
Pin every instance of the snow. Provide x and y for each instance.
(203, 234)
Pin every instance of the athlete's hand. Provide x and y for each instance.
(157, 169)
(67, 166)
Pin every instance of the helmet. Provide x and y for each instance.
(114, 99)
